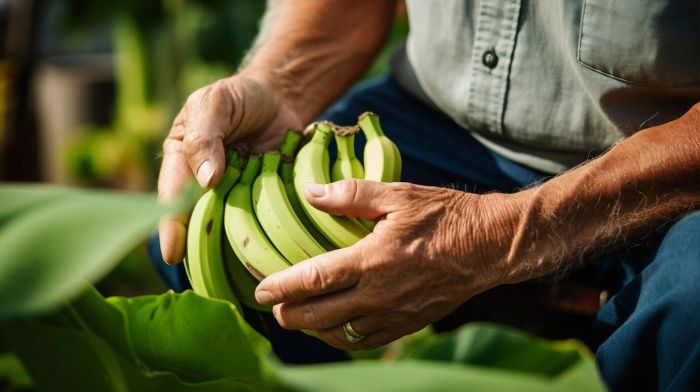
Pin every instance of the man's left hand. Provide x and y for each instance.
(431, 250)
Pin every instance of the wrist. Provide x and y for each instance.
(504, 216)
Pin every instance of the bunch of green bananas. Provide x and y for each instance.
(269, 225)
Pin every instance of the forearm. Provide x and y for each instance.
(312, 51)
(643, 182)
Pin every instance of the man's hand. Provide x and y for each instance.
(300, 64)
(432, 249)
(241, 107)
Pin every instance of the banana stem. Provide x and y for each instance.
(287, 172)
(346, 146)
(322, 134)
(238, 163)
(271, 162)
(234, 162)
(251, 170)
(369, 122)
(231, 157)
(290, 143)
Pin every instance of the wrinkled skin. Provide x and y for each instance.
(431, 250)
(214, 117)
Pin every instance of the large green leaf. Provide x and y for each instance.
(150, 343)
(55, 239)
(565, 363)
(65, 358)
(192, 336)
(478, 357)
(411, 375)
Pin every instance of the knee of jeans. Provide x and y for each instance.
(680, 251)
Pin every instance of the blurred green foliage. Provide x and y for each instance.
(163, 50)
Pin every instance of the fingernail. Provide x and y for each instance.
(315, 190)
(204, 174)
(264, 297)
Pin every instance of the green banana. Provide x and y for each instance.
(312, 166)
(249, 242)
(242, 282)
(382, 159)
(204, 261)
(288, 150)
(277, 217)
(346, 164)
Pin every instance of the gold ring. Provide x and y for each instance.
(350, 334)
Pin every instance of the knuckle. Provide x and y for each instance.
(209, 97)
(312, 279)
(402, 192)
(195, 99)
(312, 318)
(346, 191)
(401, 186)
(196, 141)
(171, 145)
(280, 290)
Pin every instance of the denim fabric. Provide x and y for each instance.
(650, 330)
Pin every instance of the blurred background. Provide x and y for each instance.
(88, 89)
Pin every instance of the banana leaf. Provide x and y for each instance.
(55, 240)
(151, 343)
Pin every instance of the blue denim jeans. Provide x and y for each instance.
(650, 330)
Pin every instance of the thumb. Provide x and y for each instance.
(362, 199)
(205, 156)
(203, 141)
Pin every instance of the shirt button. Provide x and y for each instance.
(490, 59)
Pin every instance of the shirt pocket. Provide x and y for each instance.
(654, 42)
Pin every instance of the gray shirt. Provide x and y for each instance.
(551, 83)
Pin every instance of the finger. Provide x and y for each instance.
(203, 141)
(332, 271)
(335, 336)
(172, 233)
(318, 313)
(174, 174)
(355, 198)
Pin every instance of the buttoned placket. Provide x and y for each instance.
(492, 53)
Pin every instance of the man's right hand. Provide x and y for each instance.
(239, 108)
